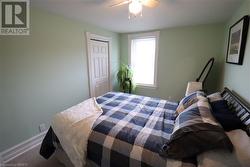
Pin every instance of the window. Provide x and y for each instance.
(143, 58)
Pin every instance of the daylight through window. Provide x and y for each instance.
(143, 58)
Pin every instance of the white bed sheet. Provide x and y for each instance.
(73, 127)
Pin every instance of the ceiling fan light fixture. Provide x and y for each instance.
(135, 7)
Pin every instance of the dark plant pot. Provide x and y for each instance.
(127, 85)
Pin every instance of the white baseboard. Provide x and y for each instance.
(21, 148)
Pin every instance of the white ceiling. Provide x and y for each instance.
(170, 13)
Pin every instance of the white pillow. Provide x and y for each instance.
(215, 97)
(240, 157)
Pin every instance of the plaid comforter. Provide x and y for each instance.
(131, 131)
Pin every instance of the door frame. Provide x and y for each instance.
(89, 37)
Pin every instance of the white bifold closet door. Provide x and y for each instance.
(99, 56)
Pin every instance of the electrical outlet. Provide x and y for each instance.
(42, 127)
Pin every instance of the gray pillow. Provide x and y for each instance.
(221, 158)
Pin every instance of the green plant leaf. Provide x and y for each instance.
(125, 74)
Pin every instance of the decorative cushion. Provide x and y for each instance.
(189, 100)
(221, 158)
(195, 131)
(225, 117)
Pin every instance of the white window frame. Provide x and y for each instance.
(156, 35)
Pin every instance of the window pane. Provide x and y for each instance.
(143, 60)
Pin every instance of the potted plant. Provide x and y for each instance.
(124, 77)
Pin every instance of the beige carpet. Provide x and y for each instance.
(33, 159)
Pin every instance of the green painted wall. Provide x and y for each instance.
(44, 73)
(1, 80)
(183, 53)
(238, 77)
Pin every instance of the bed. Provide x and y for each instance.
(119, 129)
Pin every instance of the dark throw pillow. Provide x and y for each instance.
(195, 131)
(228, 120)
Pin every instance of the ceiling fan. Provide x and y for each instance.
(135, 6)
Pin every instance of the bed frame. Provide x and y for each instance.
(239, 106)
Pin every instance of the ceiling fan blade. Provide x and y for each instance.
(150, 3)
(121, 3)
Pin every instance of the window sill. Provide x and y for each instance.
(146, 86)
